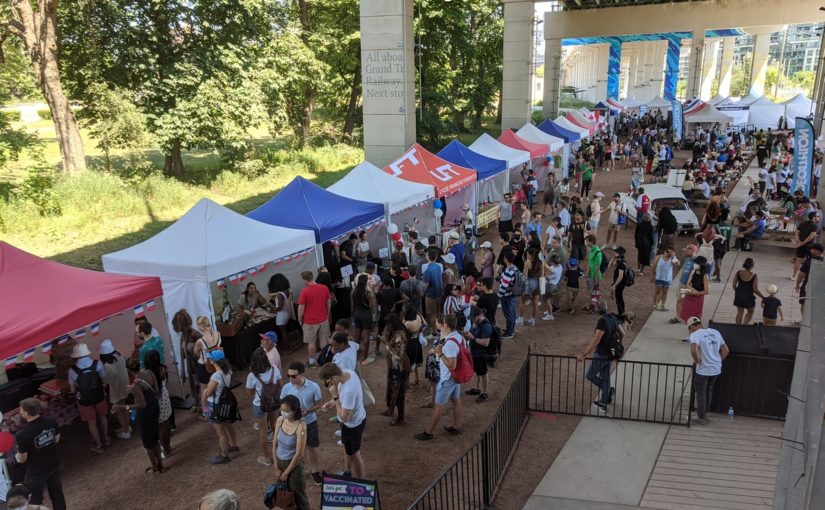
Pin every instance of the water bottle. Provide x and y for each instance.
(730, 413)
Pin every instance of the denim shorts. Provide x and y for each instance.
(446, 391)
(662, 284)
(532, 287)
(257, 412)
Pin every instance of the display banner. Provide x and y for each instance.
(344, 493)
(676, 112)
(803, 155)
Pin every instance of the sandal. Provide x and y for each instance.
(673, 320)
(96, 449)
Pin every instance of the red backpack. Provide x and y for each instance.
(463, 372)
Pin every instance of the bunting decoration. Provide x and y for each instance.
(95, 328)
(46, 347)
(80, 333)
(28, 356)
(11, 362)
(63, 339)
(151, 305)
(221, 283)
(139, 312)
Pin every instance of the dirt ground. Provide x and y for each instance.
(402, 465)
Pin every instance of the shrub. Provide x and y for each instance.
(38, 188)
(45, 114)
(10, 116)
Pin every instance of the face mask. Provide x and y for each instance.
(286, 414)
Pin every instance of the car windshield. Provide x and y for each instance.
(675, 204)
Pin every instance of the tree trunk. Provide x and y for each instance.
(477, 117)
(173, 163)
(37, 31)
(352, 107)
(458, 121)
(499, 107)
(309, 91)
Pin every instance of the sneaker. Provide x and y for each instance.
(264, 460)
(700, 421)
(338, 433)
(615, 246)
(219, 459)
(507, 337)
(317, 478)
(96, 449)
(369, 361)
(334, 419)
(125, 434)
(473, 391)
(424, 436)
(270, 437)
(601, 409)
(519, 321)
(686, 340)
(339, 443)
(311, 364)
(256, 426)
(548, 317)
(571, 311)
(452, 430)
(531, 322)
(482, 398)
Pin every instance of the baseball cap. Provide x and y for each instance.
(465, 207)
(215, 355)
(449, 258)
(486, 244)
(399, 244)
(599, 194)
(271, 336)
(453, 235)
(694, 321)
(572, 262)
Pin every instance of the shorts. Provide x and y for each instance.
(362, 319)
(313, 438)
(551, 290)
(662, 284)
(480, 365)
(446, 391)
(594, 224)
(316, 333)
(612, 226)
(768, 322)
(90, 413)
(203, 374)
(431, 306)
(577, 251)
(257, 412)
(802, 251)
(532, 287)
(505, 225)
(351, 437)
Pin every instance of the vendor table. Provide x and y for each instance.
(486, 217)
(240, 341)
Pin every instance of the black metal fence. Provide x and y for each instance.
(472, 480)
(642, 391)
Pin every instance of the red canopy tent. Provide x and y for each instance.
(422, 166)
(42, 300)
(577, 121)
(511, 139)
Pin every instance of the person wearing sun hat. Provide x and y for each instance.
(116, 378)
(86, 382)
(772, 307)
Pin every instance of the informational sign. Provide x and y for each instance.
(803, 155)
(344, 493)
(642, 109)
(346, 270)
(676, 112)
(383, 253)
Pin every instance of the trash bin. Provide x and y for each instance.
(756, 375)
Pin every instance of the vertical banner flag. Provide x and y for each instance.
(614, 67)
(642, 109)
(677, 118)
(803, 155)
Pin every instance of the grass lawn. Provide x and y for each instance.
(103, 212)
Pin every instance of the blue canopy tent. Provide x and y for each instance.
(492, 178)
(306, 206)
(551, 128)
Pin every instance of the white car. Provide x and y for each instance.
(663, 195)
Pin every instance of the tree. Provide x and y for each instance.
(37, 30)
(740, 83)
(114, 121)
(16, 74)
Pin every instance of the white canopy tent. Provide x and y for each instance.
(747, 100)
(629, 102)
(211, 244)
(533, 134)
(797, 106)
(488, 146)
(566, 124)
(405, 202)
(764, 114)
(659, 103)
(719, 100)
(708, 115)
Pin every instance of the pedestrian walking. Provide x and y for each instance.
(608, 329)
(708, 349)
(745, 287)
(37, 451)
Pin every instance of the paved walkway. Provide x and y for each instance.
(611, 464)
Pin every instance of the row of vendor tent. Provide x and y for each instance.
(206, 258)
(761, 112)
(47, 304)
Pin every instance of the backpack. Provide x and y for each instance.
(326, 355)
(217, 347)
(629, 277)
(519, 284)
(269, 394)
(613, 343)
(589, 211)
(226, 408)
(463, 372)
(604, 264)
(494, 347)
(432, 372)
(89, 385)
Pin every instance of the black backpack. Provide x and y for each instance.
(326, 355)
(226, 408)
(270, 398)
(589, 211)
(612, 340)
(494, 347)
(629, 277)
(604, 264)
(89, 385)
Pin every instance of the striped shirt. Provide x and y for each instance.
(505, 287)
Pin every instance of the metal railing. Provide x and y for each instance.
(473, 479)
(642, 391)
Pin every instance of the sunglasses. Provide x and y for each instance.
(292, 376)
(327, 382)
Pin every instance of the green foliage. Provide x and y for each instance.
(804, 80)
(113, 121)
(10, 116)
(13, 141)
(575, 103)
(38, 188)
(740, 84)
(16, 75)
(536, 117)
(44, 113)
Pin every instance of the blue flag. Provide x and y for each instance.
(803, 155)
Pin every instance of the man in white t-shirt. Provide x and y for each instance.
(708, 350)
(346, 351)
(255, 382)
(447, 389)
(348, 402)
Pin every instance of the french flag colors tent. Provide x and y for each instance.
(212, 249)
(551, 128)
(449, 180)
(797, 106)
(492, 178)
(509, 138)
(571, 126)
(46, 303)
(406, 202)
(615, 105)
(581, 122)
(708, 115)
(556, 145)
(492, 148)
(695, 107)
(303, 205)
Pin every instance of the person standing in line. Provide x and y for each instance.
(147, 412)
(210, 340)
(86, 382)
(150, 341)
(576, 234)
(644, 241)
(663, 268)
(619, 279)
(116, 379)
(479, 338)
(346, 351)
(488, 259)
(616, 217)
(708, 349)
(269, 343)
(805, 237)
(261, 378)
(815, 252)
(684, 276)
(413, 288)
(37, 450)
(598, 374)
(164, 402)
(348, 402)
(594, 272)
(398, 368)
(552, 293)
(219, 381)
(533, 269)
(288, 445)
(695, 291)
(506, 297)
(447, 389)
(595, 213)
(432, 288)
(505, 214)
(746, 288)
(314, 305)
(309, 394)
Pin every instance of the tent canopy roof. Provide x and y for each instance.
(306, 206)
(581, 122)
(42, 300)
(509, 138)
(368, 182)
(763, 101)
(492, 148)
(572, 126)
(209, 242)
(658, 102)
(629, 102)
(708, 114)
(695, 108)
(458, 153)
(533, 134)
(747, 100)
(548, 126)
(799, 99)
(422, 166)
